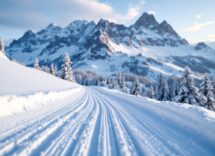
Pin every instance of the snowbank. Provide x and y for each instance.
(181, 108)
(2, 56)
(20, 80)
(12, 104)
(23, 89)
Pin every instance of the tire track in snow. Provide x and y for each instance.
(32, 130)
(106, 138)
(101, 124)
(161, 137)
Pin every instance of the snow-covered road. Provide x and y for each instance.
(100, 122)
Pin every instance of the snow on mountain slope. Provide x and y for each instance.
(97, 42)
(19, 80)
(103, 122)
(211, 44)
(23, 89)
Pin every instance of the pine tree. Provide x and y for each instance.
(120, 81)
(160, 81)
(66, 69)
(2, 46)
(151, 93)
(110, 84)
(188, 93)
(46, 69)
(163, 90)
(136, 88)
(113, 84)
(102, 81)
(207, 91)
(166, 95)
(53, 70)
(37, 64)
(173, 88)
(108, 81)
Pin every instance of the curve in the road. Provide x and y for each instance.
(103, 123)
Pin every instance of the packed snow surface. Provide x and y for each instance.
(19, 80)
(23, 89)
(97, 121)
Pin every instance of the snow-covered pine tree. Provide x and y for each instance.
(108, 81)
(37, 64)
(166, 95)
(110, 84)
(159, 85)
(163, 90)
(46, 69)
(2, 46)
(53, 70)
(188, 93)
(213, 84)
(114, 84)
(121, 83)
(207, 90)
(102, 81)
(151, 93)
(174, 85)
(120, 80)
(123, 86)
(136, 88)
(66, 69)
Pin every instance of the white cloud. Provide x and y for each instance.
(211, 37)
(38, 13)
(131, 14)
(199, 26)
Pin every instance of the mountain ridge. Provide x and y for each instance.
(90, 43)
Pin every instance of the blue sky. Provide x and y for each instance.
(192, 19)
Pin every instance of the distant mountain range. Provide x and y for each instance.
(211, 44)
(146, 48)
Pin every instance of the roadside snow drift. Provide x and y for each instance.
(19, 80)
(23, 88)
(12, 104)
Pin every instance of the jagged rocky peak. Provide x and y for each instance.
(77, 24)
(102, 23)
(50, 28)
(147, 21)
(28, 33)
(53, 26)
(201, 45)
(165, 27)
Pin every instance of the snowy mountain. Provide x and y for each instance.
(147, 48)
(43, 115)
(211, 44)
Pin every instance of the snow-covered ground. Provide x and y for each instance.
(17, 79)
(102, 122)
(60, 118)
(23, 88)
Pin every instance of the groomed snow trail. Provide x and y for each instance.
(99, 122)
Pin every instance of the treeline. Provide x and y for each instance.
(182, 90)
